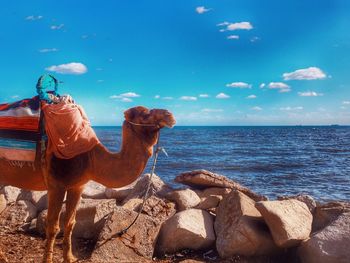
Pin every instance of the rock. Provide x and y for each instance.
(325, 214)
(184, 199)
(189, 229)
(202, 179)
(136, 245)
(307, 199)
(133, 204)
(93, 190)
(3, 203)
(37, 198)
(289, 221)
(90, 218)
(158, 187)
(119, 194)
(18, 213)
(240, 228)
(214, 191)
(330, 245)
(212, 201)
(160, 209)
(11, 193)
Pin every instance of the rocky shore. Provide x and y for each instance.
(210, 218)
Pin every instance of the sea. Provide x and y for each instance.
(273, 161)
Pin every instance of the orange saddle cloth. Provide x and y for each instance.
(68, 129)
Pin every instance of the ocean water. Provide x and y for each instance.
(270, 160)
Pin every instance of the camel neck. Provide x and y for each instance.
(120, 169)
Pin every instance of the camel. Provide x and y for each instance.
(140, 133)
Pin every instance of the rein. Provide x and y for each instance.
(145, 197)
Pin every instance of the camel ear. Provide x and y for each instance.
(129, 114)
(132, 113)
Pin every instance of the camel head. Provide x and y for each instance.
(145, 117)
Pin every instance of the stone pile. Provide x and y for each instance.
(210, 213)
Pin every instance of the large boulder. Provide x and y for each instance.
(93, 190)
(11, 193)
(90, 218)
(189, 229)
(184, 199)
(18, 213)
(330, 245)
(157, 187)
(307, 199)
(136, 245)
(3, 203)
(37, 198)
(203, 179)
(289, 221)
(240, 228)
(325, 214)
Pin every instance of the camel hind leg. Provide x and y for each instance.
(55, 196)
(73, 197)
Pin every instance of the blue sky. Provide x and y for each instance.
(218, 62)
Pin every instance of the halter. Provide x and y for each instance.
(143, 124)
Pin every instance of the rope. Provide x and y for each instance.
(145, 197)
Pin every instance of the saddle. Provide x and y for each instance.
(22, 132)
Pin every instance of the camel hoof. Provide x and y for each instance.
(70, 259)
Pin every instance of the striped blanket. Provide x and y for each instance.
(19, 130)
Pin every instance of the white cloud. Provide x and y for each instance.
(346, 102)
(251, 96)
(125, 97)
(222, 96)
(57, 27)
(202, 9)
(130, 95)
(279, 85)
(233, 37)
(203, 96)
(223, 24)
(157, 97)
(188, 98)
(291, 108)
(241, 85)
(239, 26)
(305, 74)
(310, 94)
(257, 108)
(74, 68)
(33, 18)
(212, 110)
(262, 85)
(46, 50)
(126, 100)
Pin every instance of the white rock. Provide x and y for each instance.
(189, 229)
(184, 199)
(289, 221)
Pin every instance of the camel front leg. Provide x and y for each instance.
(55, 197)
(73, 197)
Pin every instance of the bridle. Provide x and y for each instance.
(143, 124)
